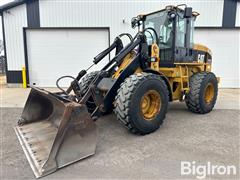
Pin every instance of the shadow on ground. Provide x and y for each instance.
(184, 136)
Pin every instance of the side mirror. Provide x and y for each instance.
(137, 21)
(134, 22)
(187, 12)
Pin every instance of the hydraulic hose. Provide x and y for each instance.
(96, 60)
(155, 33)
(63, 77)
(128, 35)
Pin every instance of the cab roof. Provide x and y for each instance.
(172, 7)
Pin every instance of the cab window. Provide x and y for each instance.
(181, 31)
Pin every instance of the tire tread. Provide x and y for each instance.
(193, 97)
(123, 98)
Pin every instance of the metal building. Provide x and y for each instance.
(60, 37)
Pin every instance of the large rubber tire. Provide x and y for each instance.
(128, 99)
(195, 100)
(84, 86)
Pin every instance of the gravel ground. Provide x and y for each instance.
(184, 136)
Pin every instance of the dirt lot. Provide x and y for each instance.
(184, 136)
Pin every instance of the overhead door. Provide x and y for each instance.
(56, 52)
(225, 49)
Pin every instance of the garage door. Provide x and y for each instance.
(56, 52)
(225, 49)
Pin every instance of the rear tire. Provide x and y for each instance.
(142, 116)
(203, 92)
(84, 86)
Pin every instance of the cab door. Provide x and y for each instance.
(166, 43)
(184, 39)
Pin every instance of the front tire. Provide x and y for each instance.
(203, 92)
(142, 102)
(84, 86)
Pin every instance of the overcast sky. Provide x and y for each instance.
(2, 2)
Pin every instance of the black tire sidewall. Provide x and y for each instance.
(86, 81)
(135, 111)
(210, 78)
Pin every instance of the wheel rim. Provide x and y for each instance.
(209, 93)
(150, 104)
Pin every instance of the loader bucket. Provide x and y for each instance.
(54, 132)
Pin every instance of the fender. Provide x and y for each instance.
(148, 70)
(129, 70)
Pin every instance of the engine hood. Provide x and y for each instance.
(201, 47)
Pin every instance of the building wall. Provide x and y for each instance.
(111, 14)
(14, 21)
(224, 45)
(114, 14)
(61, 13)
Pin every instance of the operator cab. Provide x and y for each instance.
(174, 27)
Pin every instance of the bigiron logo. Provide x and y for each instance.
(201, 171)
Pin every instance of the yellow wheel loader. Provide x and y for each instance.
(160, 64)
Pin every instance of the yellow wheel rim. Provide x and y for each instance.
(150, 104)
(209, 93)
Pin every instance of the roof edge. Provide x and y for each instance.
(11, 5)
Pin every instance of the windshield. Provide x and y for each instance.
(163, 26)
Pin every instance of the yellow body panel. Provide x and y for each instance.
(201, 47)
(124, 64)
(177, 76)
(155, 57)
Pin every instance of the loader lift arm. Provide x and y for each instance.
(105, 103)
(117, 44)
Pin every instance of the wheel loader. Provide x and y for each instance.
(160, 64)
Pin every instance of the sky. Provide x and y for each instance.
(2, 2)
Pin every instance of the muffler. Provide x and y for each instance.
(54, 132)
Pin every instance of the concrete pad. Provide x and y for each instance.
(184, 136)
(16, 97)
